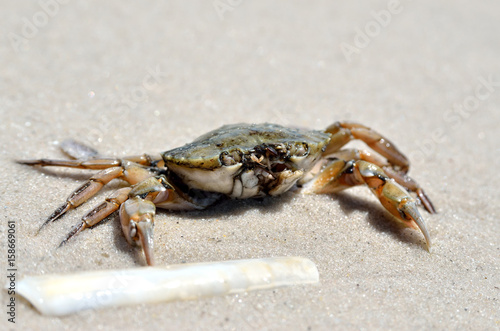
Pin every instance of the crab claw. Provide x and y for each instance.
(145, 234)
(137, 220)
(395, 199)
(410, 212)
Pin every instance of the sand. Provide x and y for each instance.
(146, 77)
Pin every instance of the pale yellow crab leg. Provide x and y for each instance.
(402, 179)
(129, 171)
(103, 210)
(137, 210)
(148, 188)
(84, 192)
(94, 164)
(341, 174)
(343, 132)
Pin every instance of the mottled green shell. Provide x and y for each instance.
(204, 152)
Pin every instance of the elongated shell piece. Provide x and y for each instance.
(66, 294)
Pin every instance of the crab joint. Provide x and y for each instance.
(137, 220)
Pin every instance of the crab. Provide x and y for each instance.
(241, 161)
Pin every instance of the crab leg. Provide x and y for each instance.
(341, 174)
(129, 171)
(85, 157)
(138, 212)
(94, 164)
(103, 210)
(137, 219)
(135, 210)
(84, 192)
(402, 179)
(343, 132)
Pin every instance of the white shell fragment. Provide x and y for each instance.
(66, 294)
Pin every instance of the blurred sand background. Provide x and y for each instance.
(134, 77)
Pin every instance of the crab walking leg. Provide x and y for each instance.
(343, 132)
(94, 164)
(137, 209)
(357, 154)
(129, 171)
(84, 192)
(103, 210)
(148, 189)
(341, 174)
(402, 179)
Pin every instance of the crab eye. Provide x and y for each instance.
(230, 158)
(299, 149)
